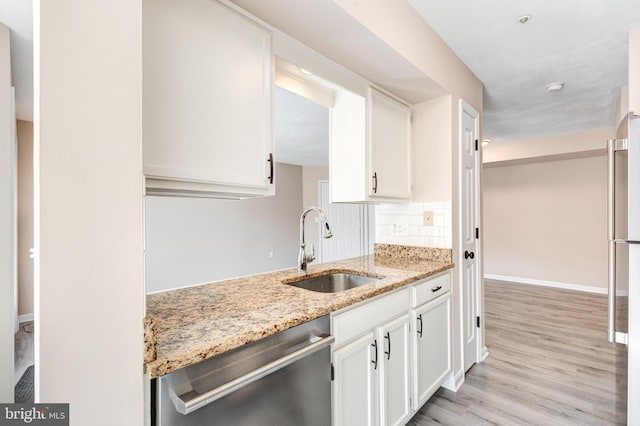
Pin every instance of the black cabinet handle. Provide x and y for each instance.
(433, 290)
(420, 328)
(375, 183)
(388, 353)
(468, 254)
(375, 352)
(270, 161)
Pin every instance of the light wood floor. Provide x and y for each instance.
(549, 364)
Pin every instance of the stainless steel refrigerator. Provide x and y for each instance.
(623, 233)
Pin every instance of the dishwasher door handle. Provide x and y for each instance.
(192, 403)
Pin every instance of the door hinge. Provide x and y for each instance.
(476, 144)
(477, 233)
(332, 373)
(478, 322)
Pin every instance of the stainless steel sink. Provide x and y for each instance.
(334, 283)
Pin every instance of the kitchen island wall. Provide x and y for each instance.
(192, 241)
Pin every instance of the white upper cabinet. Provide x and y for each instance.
(370, 148)
(389, 123)
(207, 101)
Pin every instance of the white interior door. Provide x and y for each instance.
(350, 224)
(14, 210)
(8, 228)
(469, 206)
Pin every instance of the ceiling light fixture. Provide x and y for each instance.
(486, 142)
(524, 19)
(555, 87)
(306, 72)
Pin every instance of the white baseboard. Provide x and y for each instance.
(485, 354)
(25, 318)
(454, 381)
(554, 284)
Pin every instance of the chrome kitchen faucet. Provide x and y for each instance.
(303, 257)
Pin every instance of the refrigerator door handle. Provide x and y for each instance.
(612, 335)
(613, 145)
(611, 194)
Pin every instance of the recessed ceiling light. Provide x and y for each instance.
(524, 19)
(555, 87)
(486, 142)
(304, 71)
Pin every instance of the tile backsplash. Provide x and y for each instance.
(405, 224)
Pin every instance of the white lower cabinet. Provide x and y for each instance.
(395, 372)
(371, 383)
(371, 361)
(354, 383)
(391, 354)
(432, 348)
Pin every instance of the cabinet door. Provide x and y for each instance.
(389, 149)
(354, 381)
(395, 381)
(207, 91)
(432, 348)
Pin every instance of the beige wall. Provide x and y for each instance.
(197, 240)
(547, 221)
(584, 144)
(88, 185)
(432, 132)
(25, 217)
(310, 178)
(6, 221)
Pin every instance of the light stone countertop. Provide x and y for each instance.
(200, 322)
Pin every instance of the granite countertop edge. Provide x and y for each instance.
(197, 323)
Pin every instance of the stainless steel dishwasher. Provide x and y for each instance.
(284, 379)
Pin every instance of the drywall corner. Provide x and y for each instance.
(576, 145)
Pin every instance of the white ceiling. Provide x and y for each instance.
(328, 29)
(18, 16)
(580, 42)
(301, 130)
